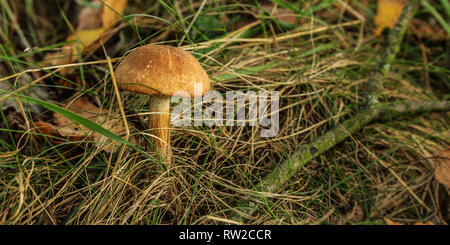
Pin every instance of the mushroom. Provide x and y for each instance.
(160, 71)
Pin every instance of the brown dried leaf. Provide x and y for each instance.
(390, 222)
(442, 172)
(90, 18)
(51, 130)
(422, 223)
(110, 121)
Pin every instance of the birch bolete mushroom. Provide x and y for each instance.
(160, 71)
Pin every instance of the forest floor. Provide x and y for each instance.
(319, 56)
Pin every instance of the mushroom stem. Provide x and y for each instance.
(158, 125)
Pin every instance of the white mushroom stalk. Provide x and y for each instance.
(158, 124)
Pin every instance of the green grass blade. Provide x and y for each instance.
(76, 118)
(446, 5)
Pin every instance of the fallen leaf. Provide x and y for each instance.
(51, 130)
(388, 12)
(86, 38)
(422, 223)
(390, 222)
(90, 18)
(110, 121)
(442, 172)
(89, 37)
(111, 11)
(46, 128)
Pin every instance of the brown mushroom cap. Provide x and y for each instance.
(161, 69)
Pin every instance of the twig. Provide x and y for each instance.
(375, 83)
(286, 169)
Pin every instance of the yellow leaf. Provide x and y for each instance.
(86, 37)
(388, 12)
(90, 39)
(112, 9)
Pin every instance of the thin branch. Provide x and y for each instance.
(375, 83)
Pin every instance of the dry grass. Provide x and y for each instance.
(384, 171)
